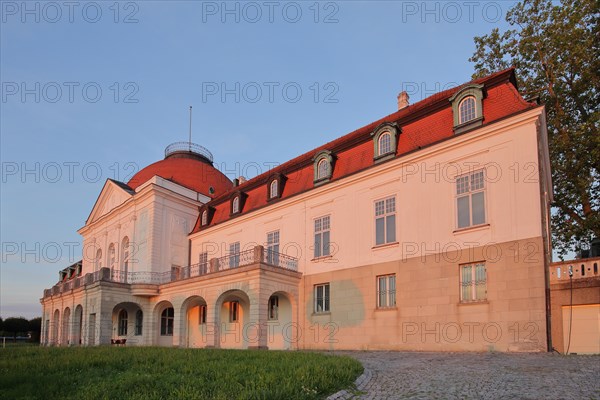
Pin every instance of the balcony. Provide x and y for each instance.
(146, 283)
(585, 268)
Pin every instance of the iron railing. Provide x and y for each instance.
(231, 261)
(190, 147)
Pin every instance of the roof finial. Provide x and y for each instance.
(190, 141)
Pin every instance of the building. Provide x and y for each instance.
(425, 230)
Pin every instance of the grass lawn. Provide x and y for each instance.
(162, 373)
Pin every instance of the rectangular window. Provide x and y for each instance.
(322, 298)
(322, 236)
(386, 291)
(385, 221)
(473, 282)
(202, 314)
(273, 248)
(203, 263)
(274, 308)
(234, 255)
(470, 199)
(234, 311)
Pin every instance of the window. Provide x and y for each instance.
(323, 169)
(202, 314)
(122, 323)
(274, 308)
(386, 291)
(235, 206)
(273, 248)
(385, 144)
(467, 107)
(473, 282)
(166, 322)
(234, 255)
(203, 263)
(323, 166)
(111, 256)
(467, 110)
(139, 321)
(322, 236)
(234, 311)
(98, 260)
(274, 189)
(470, 199)
(385, 221)
(322, 298)
(204, 220)
(125, 254)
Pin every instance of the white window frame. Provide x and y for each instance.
(272, 248)
(473, 282)
(323, 172)
(167, 322)
(235, 206)
(122, 322)
(202, 314)
(234, 311)
(323, 302)
(98, 261)
(204, 219)
(463, 188)
(321, 229)
(274, 189)
(234, 255)
(273, 308)
(203, 263)
(139, 323)
(380, 150)
(386, 291)
(472, 111)
(384, 212)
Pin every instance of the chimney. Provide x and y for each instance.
(402, 100)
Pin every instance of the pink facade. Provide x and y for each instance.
(425, 230)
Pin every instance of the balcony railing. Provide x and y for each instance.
(178, 147)
(582, 269)
(256, 255)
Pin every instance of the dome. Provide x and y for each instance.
(188, 168)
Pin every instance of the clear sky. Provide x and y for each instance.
(96, 90)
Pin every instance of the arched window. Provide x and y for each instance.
(235, 207)
(323, 169)
(111, 256)
(274, 190)
(167, 321)
(98, 261)
(122, 323)
(385, 143)
(125, 254)
(139, 321)
(467, 109)
(204, 219)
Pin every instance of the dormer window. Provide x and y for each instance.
(323, 167)
(204, 220)
(274, 189)
(206, 214)
(235, 206)
(467, 108)
(385, 139)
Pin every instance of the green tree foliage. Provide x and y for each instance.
(35, 328)
(554, 47)
(16, 326)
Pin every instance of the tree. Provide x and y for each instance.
(35, 328)
(16, 326)
(556, 52)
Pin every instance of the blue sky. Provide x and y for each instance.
(96, 90)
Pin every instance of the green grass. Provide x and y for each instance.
(162, 373)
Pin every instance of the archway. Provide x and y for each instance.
(194, 312)
(232, 312)
(55, 326)
(66, 325)
(77, 325)
(164, 316)
(281, 331)
(126, 329)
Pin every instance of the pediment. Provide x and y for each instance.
(112, 195)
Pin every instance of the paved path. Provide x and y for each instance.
(408, 375)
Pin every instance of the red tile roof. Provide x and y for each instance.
(422, 124)
(191, 173)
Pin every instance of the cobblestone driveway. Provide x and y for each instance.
(406, 375)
